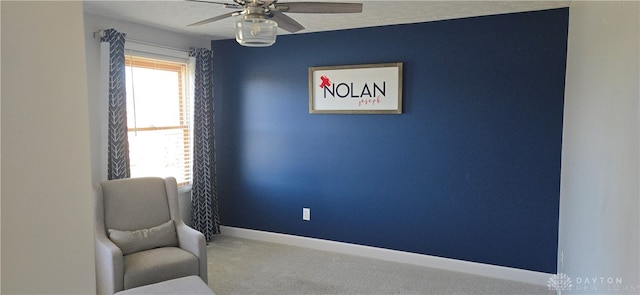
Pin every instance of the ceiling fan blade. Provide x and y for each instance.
(319, 7)
(211, 2)
(285, 22)
(215, 18)
(237, 4)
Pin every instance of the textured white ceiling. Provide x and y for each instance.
(175, 15)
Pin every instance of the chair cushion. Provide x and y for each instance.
(156, 265)
(135, 203)
(163, 235)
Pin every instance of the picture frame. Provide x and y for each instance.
(356, 89)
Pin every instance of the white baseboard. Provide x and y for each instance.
(481, 269)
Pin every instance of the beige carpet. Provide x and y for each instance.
(243, 267)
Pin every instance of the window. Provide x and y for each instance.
(158, 118)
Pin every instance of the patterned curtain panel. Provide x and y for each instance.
(118, 162)
(204, 198)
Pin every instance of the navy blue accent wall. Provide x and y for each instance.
(470, 170)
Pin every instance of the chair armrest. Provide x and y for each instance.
(109, 266)
(193, 241)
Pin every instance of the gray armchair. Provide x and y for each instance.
(140, 238)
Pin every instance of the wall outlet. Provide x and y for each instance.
(306, 214)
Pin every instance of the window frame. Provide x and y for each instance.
(179, 65)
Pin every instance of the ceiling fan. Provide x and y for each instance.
(261, 18)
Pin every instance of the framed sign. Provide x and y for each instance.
(356, 89)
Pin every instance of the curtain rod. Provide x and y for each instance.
(100, 34)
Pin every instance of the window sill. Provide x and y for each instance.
(184, 189)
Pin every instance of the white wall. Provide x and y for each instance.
(599, 198)
(47, 223)
(98, 106)
(0, 168)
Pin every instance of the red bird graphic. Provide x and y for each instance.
(325, 81)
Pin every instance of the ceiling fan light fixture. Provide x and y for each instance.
(260, 18)
(256, 32)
